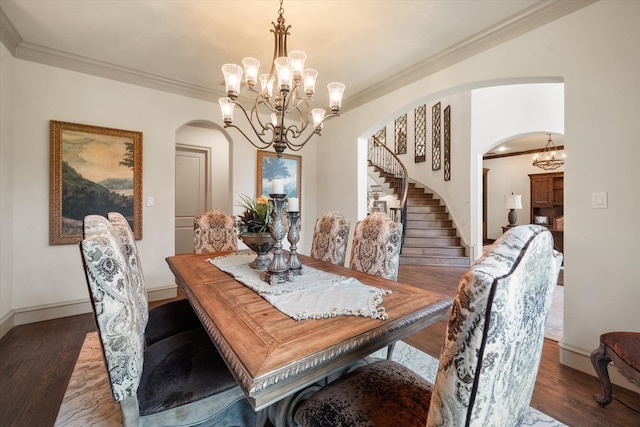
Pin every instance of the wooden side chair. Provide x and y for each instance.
(179, 380)
(330, 237)
(377, 241)
(491, 353)
(214, 231)
(164, 320)
(623, 349)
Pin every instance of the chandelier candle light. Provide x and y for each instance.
(281, 131)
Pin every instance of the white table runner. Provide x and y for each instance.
(315, 294)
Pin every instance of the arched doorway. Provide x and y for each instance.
(203, 177)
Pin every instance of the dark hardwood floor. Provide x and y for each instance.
(36, 362)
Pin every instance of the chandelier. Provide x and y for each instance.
(290, 123)
(548, 160)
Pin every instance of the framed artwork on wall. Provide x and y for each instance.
(93, 170)
(288, 168)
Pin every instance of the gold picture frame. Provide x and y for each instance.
(287, 167)
(93, 170)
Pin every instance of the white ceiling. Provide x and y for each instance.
(179, 46)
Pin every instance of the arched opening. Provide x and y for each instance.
(203, 177)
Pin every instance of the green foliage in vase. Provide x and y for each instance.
(257, 215)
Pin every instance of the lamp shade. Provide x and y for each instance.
(513, 201)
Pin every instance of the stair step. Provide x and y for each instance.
(416, 240)
(429, 232)
(413, 201)
(427, 223)
(435, 260)
(426, 209)
(429, 216)
(444, 251)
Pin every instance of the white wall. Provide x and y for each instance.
(595, 52)
(6, 186)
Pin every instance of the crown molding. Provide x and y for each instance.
(532, 17)
(9, 36)
(81, 64)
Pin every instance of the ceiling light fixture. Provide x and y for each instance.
(548, 160)
(289, 112)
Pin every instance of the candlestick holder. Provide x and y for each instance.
(278, 270)
(295, 268)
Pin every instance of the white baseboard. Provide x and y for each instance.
(70, 308)
(579, 359)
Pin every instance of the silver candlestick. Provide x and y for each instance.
(294, 236)
(278, 270)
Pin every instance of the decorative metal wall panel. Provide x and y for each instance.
(420, 133)
(401, 134)
(435, 137)
(447, 143)
(381, 135)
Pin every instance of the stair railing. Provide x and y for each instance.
(383, 158)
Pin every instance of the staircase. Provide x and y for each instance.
(430, 237)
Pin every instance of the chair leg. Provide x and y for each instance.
(130, 411)
(600, 361)
(261, 418)
(390, 349)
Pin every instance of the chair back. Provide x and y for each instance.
(330, 237)
(119, 326)
(214, 231)
(123, 233)
(495, 332)
(377, 241)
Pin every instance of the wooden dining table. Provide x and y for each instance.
(275, 358)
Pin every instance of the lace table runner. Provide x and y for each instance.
(315, 294)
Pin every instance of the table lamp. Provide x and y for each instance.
(513, 202)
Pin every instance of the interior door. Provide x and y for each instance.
(191, 193)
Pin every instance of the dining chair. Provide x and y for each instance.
(161, 321)
(330, 237)
(214, 231)
(179, 380)
(377, 241)
(491, 354)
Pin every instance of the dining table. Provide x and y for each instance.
(278, 360)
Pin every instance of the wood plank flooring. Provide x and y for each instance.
(36, 361)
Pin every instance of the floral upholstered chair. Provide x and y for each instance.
(180, 380)
(491, 353)
(164, 320)
(214, 231)
(330, 237)
(376, 246)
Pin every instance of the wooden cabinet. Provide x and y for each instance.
(547, 202)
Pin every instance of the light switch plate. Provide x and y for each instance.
(151, 201)
(599, 200)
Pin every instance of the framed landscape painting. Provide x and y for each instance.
(93, 170)
(288, 168)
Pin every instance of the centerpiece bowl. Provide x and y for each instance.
(260, 243)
